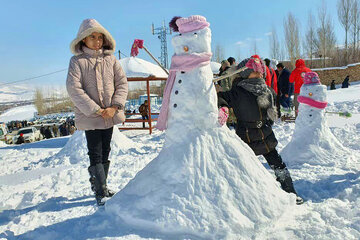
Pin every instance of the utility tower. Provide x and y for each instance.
(161, 32)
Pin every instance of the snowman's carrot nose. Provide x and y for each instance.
(186, 48)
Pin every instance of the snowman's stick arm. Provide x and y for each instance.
(155, 60)
(230, 74)
(341, 114)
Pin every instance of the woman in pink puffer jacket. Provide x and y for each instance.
(98, 87)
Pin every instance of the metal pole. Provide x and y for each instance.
(149, 104)
(155, 60)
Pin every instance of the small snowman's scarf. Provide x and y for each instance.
(186, 62)
(258, 88)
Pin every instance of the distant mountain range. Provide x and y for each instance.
(14, 93)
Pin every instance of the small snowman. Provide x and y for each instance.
(312, 142)
(206, 182)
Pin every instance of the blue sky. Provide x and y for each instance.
(35, 35)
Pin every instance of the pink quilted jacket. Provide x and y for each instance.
(95, 80)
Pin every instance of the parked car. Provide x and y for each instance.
(31, 134)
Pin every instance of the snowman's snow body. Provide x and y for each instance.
(312, 142)
(193, 102)
(206, 181)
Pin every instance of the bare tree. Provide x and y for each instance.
(355, 27)
(274, 45)
(292, 37)
(219, 54)
(282, 52)
(39, 101)
(310, 37)
(344, 13)
(325, 35)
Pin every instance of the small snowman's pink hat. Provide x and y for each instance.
(311, 78)
(189, 24)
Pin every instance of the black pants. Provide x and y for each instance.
(278, 105)
(145, 117)
(98, 143)
(274, 160)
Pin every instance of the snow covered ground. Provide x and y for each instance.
(45, 192)
(18, 113)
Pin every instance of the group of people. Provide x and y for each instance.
(279, 78)
(63, 129)
(13, 125)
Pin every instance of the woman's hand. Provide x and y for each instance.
(223, 115)
(109, 112)
(218, 88)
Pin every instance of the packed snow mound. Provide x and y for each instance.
(215, 66)
(210, 192)
(137, 67)
(75, 151)
(312, 142)
(18, 113)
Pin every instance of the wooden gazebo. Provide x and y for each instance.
(150, 120)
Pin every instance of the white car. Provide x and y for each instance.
(31, 134)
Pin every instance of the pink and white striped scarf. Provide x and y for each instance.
(179, 63)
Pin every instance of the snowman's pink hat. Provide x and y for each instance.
(311, 78)
(191, 23)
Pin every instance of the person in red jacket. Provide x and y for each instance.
(297, 77)
(271, 78)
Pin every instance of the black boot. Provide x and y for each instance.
(97, 172)
(92, 181)
(109, 192)
(284, 178)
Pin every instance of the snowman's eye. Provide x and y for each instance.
(179, 34)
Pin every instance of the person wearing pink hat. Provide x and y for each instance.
(255, 110)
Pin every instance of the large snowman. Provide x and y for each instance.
(312, 142)
(206, 182)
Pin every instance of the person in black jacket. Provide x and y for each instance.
(63, 130)
(345, 83)
(332, 85)
(285, 88)
(48, 133)
(255, 110)
(20, 139)
(42, 131)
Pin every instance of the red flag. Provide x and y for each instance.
(138, 43)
